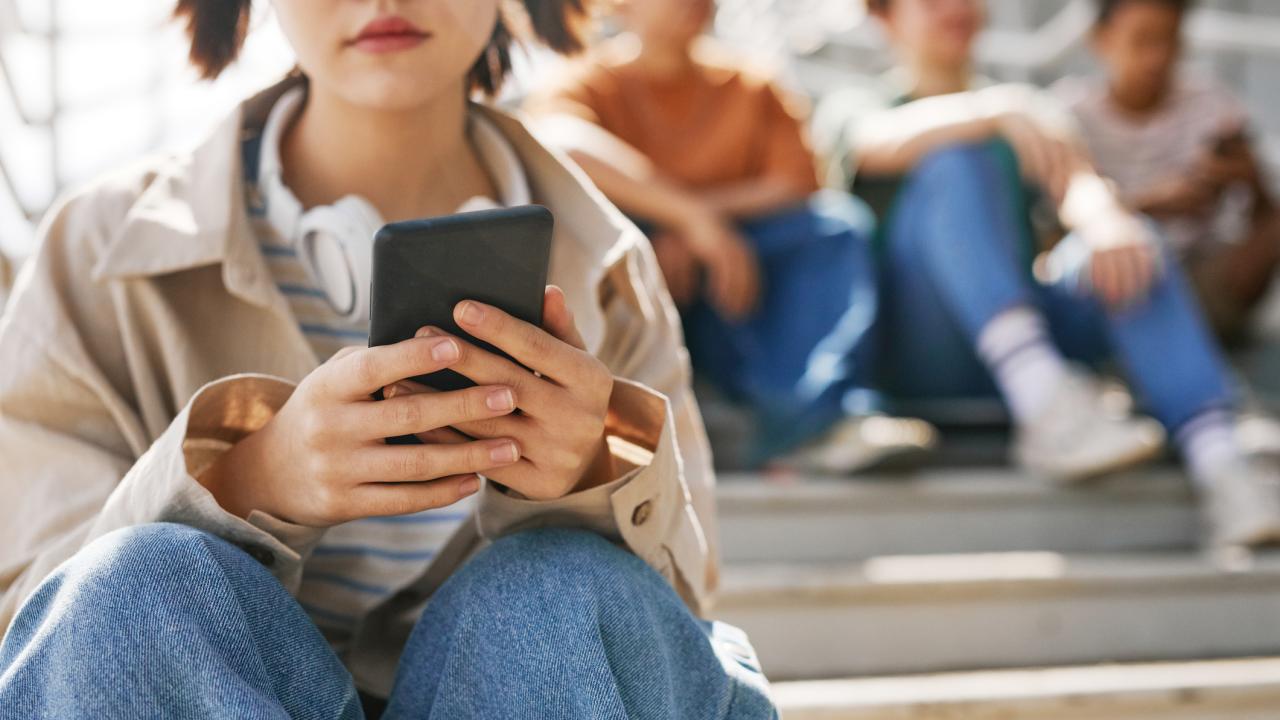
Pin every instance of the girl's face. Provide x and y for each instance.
(388, 54)
(936, 32)
(1139, 45)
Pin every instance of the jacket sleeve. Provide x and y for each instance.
(662, 505)
(78, 458)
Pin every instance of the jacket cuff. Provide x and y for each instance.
(162, 485)
(648, 507)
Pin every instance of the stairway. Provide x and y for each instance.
(865, 598)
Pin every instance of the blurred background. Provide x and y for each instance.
(1018, 600)
(88, 85)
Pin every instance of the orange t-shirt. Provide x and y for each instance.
(717, 124)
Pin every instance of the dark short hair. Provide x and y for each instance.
(1108, 8)
(217, 29)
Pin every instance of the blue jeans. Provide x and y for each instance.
(165, 621)
(956, 255)
(802, 360)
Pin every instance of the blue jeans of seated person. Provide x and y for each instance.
(955, 258)
(165, 621)
(802, 360)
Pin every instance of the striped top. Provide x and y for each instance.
(357, 564)
(1140, 154)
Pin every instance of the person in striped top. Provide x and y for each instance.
(1177, 146)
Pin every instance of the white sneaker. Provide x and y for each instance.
(1258, 434)
(1081, 437)
(860, 443)
(1241, 506)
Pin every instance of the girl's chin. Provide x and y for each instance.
(379, 92)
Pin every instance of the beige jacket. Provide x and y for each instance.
(147, 336)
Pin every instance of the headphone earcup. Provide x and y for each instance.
(335, 244)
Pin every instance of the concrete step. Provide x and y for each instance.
(915, 614)
(962, 510)
(1213, 690)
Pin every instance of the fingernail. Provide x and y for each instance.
(426, 332)
(470, 313)
(399, 389)
(506, 453)
(469, 486)
(445, 351)
(500, 400)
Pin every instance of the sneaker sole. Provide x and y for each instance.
(898, 458)
(1090, 475)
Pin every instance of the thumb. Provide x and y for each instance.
(557, 318)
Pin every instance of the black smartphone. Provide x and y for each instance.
(423, 268)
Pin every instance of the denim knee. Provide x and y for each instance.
(125, 566)
(962, 162)
(572, 561)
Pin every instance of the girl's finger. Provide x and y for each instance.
(357, 374)
(530, 345)
(421, 463)
(557, 318)
(411, 413)
(387, 499)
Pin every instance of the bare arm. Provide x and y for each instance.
(1041, 132)
(632, 182)
(894, 141)
(758, 196)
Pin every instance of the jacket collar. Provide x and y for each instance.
(191, 213)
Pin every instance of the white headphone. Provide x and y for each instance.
(335, 242)
(335, 245)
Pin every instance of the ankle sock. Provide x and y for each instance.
(1027, 367)
(1208, 443)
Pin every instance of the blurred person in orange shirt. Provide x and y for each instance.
(774, 279)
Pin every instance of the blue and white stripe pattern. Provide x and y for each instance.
(360, 563)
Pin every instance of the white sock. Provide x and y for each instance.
(1027, 366)
(1208, 443)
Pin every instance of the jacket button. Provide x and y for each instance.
(641, 513)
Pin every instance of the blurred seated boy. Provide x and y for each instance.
(776, 289)
(981, 303)
(1176, 147)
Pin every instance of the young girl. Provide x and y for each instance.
(956, 159)
(1176, 144)
(198, 513)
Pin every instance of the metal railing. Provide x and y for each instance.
(12, 25)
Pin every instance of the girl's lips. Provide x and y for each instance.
(389, 34)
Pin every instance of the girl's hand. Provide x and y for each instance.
(322, 461)
(563, 398)
(679, 266)
(733, 270)
(1124, 260)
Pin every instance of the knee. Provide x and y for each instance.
(139, 561)
(576, 575)
(555, 558)
(123, 579)
(959, 162)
